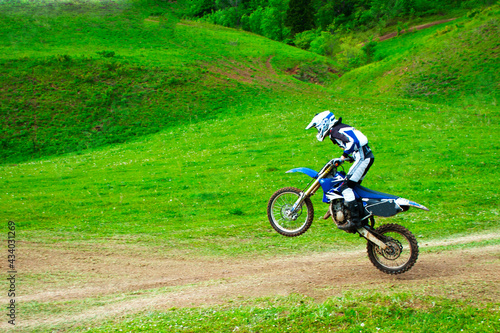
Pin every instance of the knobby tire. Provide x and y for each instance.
(375, 253)
(279, 224)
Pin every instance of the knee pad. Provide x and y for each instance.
(347, 184)
(348, 195)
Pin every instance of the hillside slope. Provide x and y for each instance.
(203, 187)
(78, 79)
(206, 183)
(454, 62)
(107, 235)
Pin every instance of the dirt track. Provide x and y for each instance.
(78, 273)
(413, 29)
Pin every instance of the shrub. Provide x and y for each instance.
(245, 23)
(324, 44)
(200, 8)
(299, 15)
(316, 72)
(255, 20)
(369, 50)
(365, 17)
(351, 56)
(272, 24)
(106, 54)
(303, 39)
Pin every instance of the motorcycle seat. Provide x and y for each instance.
(364, 192)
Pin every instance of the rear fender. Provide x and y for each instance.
(405, 202)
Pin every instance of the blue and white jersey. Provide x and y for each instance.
(348, 138)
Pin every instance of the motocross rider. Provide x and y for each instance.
(352, 142)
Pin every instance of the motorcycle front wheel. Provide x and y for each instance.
(401, 252)
(280, 216)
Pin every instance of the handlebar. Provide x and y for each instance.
(338, 161)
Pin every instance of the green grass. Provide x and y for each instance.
(200, 186)
(83, 76)
(352, 313)
(361, 311)
(172, 141)
(451, 63)
(78, 79)
(204, 188)
(402, 313)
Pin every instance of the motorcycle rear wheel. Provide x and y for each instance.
(402, 251)
(279, 205)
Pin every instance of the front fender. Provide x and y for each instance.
(310, 172)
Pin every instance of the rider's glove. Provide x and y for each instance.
(336, 161)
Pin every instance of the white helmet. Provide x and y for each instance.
(323, 122)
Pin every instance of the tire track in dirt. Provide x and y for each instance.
(318, 276)
(197, 282)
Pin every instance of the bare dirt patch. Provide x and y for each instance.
(413, 29)
(269, 66)
(62, 273)
(258, 72)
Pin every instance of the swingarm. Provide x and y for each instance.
(371, 237)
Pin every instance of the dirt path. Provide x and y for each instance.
(412, 29)
(269, 66)
(68, 274)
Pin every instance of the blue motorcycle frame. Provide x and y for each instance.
(375, 203)
(391, 248)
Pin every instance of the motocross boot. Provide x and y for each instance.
(354, 222)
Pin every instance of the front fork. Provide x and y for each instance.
(311, 190)
(305, 195)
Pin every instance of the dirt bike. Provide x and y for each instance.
(392, 248)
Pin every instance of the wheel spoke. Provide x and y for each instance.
(279, 208)
(401, 252)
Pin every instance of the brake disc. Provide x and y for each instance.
(393, 250)
(286, 212)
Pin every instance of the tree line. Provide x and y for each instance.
(283, 20)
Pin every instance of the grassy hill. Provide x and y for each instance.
(454, 62)
(82, 76)
(231, 124)
(122, 127)
(86, 75)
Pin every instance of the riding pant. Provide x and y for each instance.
(363, 160)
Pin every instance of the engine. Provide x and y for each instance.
(340, 214)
